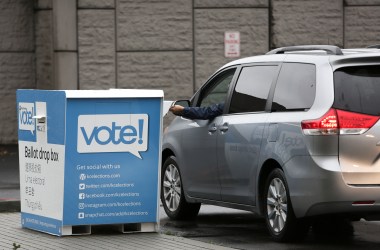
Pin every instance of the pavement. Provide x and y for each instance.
(13, 236)
(9, 179)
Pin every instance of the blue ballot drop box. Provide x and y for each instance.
(89, 157)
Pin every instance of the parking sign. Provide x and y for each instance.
(232, 44)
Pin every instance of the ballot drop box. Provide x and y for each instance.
(89, 157)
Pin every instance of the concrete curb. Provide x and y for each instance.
(10, 206)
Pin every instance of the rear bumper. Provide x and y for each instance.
(317, 187)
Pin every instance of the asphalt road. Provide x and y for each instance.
(243, 230)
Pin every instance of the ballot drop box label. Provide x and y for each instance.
(88, 161)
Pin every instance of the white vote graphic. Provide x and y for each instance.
(26, 111)
(113, 133)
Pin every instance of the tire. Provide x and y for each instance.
(172, 195)
(281, 222)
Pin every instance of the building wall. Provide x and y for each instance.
(307, 22)
(17, 61)
(174, 45)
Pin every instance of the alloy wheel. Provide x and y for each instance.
(277, 205)
(172, 187)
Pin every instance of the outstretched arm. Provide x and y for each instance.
(201, 113)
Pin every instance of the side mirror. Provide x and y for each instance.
(183, 103)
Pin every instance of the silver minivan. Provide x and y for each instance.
(299, 138)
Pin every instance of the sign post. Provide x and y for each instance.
(89, 158)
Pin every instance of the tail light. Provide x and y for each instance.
(363, 203)
(337, 121)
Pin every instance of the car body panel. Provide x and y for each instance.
(318, 188)
(200, 168)
(239, 143)
(199, 172)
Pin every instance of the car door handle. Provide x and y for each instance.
(212, 128)
(224, 127)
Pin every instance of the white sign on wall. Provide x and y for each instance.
(232, 44)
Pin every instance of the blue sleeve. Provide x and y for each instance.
(203, 113)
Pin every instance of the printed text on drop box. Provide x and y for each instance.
(25, 116)
(113, 133)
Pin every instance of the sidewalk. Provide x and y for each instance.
(9, 179)
(102, 237)
(11, 232)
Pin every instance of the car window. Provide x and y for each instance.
(357, 89)
(295, 88)
(252, 89)
(216, 91)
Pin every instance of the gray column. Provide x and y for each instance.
(44, 45)
(65, 44)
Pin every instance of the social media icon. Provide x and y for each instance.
(81, 205)
(82, 177)
(81, 196)
(82, 186)
(80, 215)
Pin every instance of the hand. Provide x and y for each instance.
(176, 109)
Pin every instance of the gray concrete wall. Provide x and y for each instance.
(361, 26)
(170, 71)
(174, 45)
(154, 46)
(211, 24)
(154, 25)
(301, 22)
(96, 43)
(17, 61)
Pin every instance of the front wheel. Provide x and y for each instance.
(172, 195)
(279, 216)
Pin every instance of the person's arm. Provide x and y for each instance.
(177, 110)
(201, 113)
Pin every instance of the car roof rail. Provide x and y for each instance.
(330, 49)
(375, 46)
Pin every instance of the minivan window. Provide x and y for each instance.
(217, 89)
(357, 89)
(252, 88)
(295, 88)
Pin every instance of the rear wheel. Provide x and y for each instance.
(172, 195)
(279, 216)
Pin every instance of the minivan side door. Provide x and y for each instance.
(200, 173)
(240, 133)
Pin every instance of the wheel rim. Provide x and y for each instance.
(277, 205)
(172, 187)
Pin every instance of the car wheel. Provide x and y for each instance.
(172, 195)
(279, 216)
